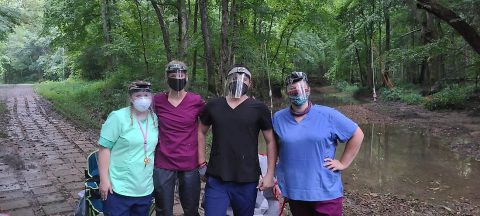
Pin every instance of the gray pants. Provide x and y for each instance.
(188, 190)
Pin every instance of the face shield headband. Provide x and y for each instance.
(139, 87)
(174, 68)
(240, 70)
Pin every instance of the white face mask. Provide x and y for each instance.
(142, 104)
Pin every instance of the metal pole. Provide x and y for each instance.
(63, 62)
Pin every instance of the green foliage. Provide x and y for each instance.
(92, 63)
(86, 102)
(338, 40)
(451, 97)
(9, 18)
(393, 94)
(412, 98)
(407, 93)
(344, 86)
(55, 65)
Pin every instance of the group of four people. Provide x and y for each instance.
(160, 139)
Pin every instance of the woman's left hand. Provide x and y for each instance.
(333, 165)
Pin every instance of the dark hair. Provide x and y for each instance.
(295, 77)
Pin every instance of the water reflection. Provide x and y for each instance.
(334, 99)
(409, 162)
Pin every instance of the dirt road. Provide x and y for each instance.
(42, 158)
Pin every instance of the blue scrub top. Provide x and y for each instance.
(303, 147)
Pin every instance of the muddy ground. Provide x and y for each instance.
(42, 156)
(461, 129)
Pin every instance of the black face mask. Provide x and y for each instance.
(233, 88)
(177, 84)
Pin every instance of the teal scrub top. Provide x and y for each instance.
(122, 135)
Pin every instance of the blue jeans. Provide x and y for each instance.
(188, 190)
(119, 205)
(220, 194)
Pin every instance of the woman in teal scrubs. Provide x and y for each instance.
(127, 143)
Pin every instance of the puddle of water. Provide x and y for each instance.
(401, 161)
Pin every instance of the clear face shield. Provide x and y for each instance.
(237, 85)
(298, 92)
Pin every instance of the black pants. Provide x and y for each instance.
(188, 189)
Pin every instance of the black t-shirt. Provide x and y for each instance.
(234, 153)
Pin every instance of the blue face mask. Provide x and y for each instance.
(298, 100)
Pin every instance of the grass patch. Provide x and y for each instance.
(451, 97)
(345, 86)
(407, 94)
(85, 102)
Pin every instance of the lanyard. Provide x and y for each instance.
(145, 135)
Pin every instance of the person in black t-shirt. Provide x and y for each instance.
(233, 171)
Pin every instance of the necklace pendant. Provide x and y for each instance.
(146, 161)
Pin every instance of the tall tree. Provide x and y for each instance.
(207, 48)
(195, 50)
(463, 28)
(140, 22)
(165, 33)
(182, 36)
(106, 11)
(224, 50)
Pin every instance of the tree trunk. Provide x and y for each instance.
(463, 28)
(140, 21)
(429, 67)
(282, 35)
(195, 27)
(286, 51)
(207, 47)
(426, 37)
(163, 28)
(232, 25)
(387, 30)
(224, 54)
(386, 69)
(182, 30)
(368, 57)
(106, 29)
(106, 21)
